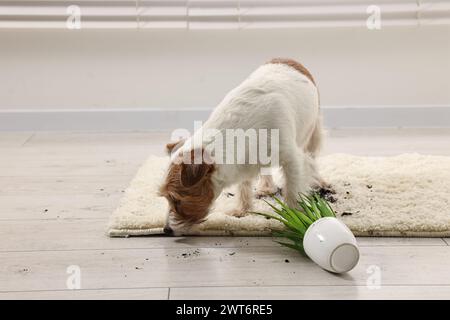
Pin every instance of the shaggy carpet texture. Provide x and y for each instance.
(405, 195)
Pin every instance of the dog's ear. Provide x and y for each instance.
(171, 147)
(192, 173)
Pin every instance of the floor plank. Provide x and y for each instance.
(85, 234)
(111, 294)
(81, 154)
(38, 235)
(116, 139)
(133, 268)
(312, 293)
(53, 166)
(14, 139)
(397, 241)
(62, 185)
(62, 206)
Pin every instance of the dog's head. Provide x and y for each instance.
(188, 189)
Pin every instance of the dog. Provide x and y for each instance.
(280, 95)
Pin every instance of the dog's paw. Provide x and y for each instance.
(238, 213)
(267, 192)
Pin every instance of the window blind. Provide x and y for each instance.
(220, 14)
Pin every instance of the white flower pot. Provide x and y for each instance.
(331, 244)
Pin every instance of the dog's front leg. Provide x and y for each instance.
(245, 197)
(266, 187)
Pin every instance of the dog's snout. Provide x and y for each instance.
(168, 231)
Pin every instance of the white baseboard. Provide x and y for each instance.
(162, 120)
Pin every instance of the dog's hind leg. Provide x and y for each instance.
(297, 173)
(316, 139)
(313, 147)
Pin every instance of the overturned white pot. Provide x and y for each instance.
(331, 244)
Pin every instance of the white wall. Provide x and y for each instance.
(179, 69)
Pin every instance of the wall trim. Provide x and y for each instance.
(163, 119)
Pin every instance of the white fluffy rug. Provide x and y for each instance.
(406, 195)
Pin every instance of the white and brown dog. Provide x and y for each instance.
(281, 95)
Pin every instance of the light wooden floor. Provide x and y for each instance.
(58, 189)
